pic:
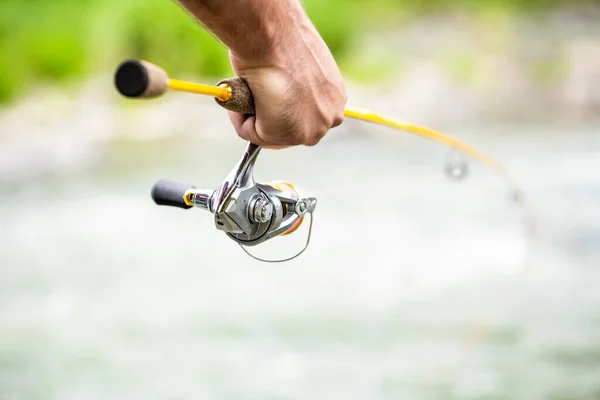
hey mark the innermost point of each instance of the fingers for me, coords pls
(245, 127)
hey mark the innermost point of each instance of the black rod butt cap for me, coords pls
(131, 78)
(170, 193)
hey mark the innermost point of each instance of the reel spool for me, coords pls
(290, 188)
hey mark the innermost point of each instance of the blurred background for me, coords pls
(436, 292)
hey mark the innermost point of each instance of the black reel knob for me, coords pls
(170, 193)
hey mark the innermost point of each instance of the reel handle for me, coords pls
(143, 80)
(170, 193)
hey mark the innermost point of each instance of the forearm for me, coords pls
(252, 29)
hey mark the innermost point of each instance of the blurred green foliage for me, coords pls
(69, 39)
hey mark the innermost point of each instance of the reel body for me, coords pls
(249, 213)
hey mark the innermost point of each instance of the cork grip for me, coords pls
(241, 100)
(141, 80)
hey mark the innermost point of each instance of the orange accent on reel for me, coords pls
(289, 188)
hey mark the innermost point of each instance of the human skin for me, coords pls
(298, 90)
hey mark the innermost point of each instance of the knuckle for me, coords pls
(315, 135)
(312, 143)
(338, 118)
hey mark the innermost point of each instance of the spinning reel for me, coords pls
(250, 213)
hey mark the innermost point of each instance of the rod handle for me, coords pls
(143, 80)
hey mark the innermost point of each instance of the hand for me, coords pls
(298, 90)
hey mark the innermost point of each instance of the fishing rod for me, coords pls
(252, 213)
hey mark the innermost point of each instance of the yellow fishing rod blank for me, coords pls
(221, 92)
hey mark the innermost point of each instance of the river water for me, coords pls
(414, 286)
